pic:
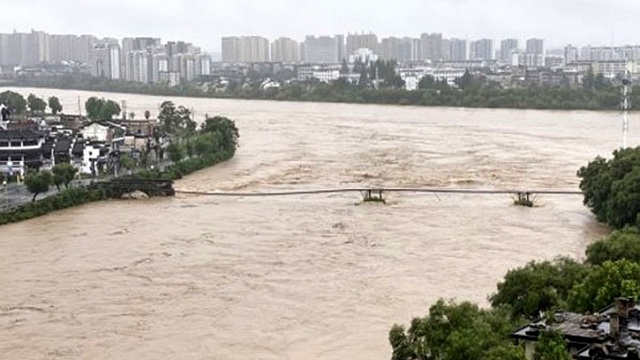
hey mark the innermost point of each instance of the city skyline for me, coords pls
(588, 21)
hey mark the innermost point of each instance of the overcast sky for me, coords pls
(204, 22)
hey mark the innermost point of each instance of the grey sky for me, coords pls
(203, 22)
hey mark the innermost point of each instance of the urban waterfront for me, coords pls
(307, 276)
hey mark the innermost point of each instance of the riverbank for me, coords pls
(436, 95)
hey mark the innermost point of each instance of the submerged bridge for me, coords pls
(118, 187)
(524, 197)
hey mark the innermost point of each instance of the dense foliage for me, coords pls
(538, 286)
(612, 187)
(101, 109)
(38, 182)
(54, 105)
(552, 346)
(63, 174)
(13, 101)
(65, 199)
(620, 245)
(36, 104)
(456, 332)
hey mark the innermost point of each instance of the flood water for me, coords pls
(302, 277)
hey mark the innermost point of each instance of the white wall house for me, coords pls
(96, 132)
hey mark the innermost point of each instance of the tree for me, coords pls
(147, 114)
(109, 109)
(589, 80)
(36, 104)
(176, 152)
(14, 102)
(604, 284)
(427, 82)
(126, 162)
(101, 109)
(611, 188)
(226, 128)
(456, 331)
(38, 182)
(538, 286)
(54, 105)
(552, 346)
(66, 172)
(93, 106)
(620, 245)
(132, 115)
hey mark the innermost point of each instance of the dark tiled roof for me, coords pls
(78, 147)
(62, 145)
(20, 134)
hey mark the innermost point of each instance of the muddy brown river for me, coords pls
(302, 277)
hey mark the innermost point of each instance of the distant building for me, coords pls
(362, 41)
(245, 49)
(570, 54)
(322, 50)
(285, 50)
(508, 47)
(482, 50)
(432, 47)
(402, 50)
(458, 49)
(104, 61)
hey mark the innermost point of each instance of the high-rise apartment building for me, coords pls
(104, 60)
(458, 49)
(361, 41)
(137, 66)
(482, 50)
(432, 47)
(570, 54)
(26, 49)
(203, 65)
(535, 46)
(255, 49)
(245, 49)
(508, 47)
(402, 50)
(231, 49)
(285, 50)
(321, 50)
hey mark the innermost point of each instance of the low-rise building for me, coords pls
(20, 151)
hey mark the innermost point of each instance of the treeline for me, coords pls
(611, 269)
(470, 91)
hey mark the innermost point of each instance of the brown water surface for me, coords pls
(303, 277)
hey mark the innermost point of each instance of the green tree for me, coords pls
(126, 162)
(147, 114)
(589, 80)
(38, 182)
(226, 128)
(455, 332)
(54, 105)
(13, 101)
(552, 346)
(612, 187)
(36, 104)
(109, 109)
(63, 174)
(604, 284)
(619, 245)
(176, 152)
(101, 109)
(93, 106)
(538, 286)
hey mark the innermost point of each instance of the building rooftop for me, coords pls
(20, 134)
(613, 333)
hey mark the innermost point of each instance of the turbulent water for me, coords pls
(303, 277)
